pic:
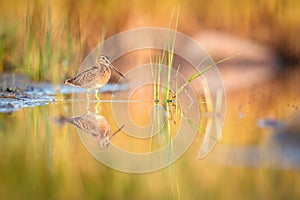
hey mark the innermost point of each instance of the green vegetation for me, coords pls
(48, 40)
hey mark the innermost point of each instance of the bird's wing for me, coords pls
(84, 77)
(86, 125)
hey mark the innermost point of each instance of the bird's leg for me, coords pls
(87, 96)
(88, 100)
(98, 101)
(96, 95)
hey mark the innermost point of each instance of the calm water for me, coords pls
(43, 158)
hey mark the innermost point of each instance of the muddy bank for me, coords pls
(17, 91)
(10, 102)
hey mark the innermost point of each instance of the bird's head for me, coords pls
(104, 142)
(104, 60)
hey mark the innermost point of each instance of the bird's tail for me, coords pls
(69, 81)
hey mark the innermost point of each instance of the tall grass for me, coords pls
(51, 47)
(161, 93)
(49, 39)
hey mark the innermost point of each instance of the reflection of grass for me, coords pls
(161, 97)
(162, 93)
(25, 149)
(167, 96)
(72, 173)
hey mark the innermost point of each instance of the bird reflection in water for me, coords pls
(96, 125)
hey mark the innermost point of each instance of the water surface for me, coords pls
(41, 158)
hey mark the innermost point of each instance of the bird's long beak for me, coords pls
(117, 131)
(113, 67)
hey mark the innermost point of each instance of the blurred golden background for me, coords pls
(48, 41)
(39, 37)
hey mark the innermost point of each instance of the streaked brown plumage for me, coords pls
(93, 124)
(94, 77)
